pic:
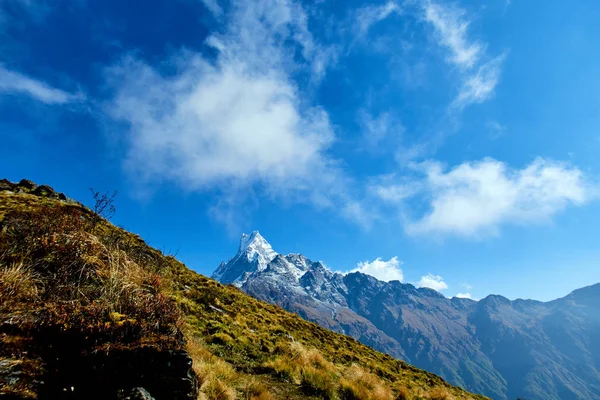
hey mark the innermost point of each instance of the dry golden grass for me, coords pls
(214, 375)
(18, 283)
(357, 384)
(402, 393)
(319, 377)
(439, 393)
(254, 389)
(295, 360)
(219, 380)
(307, 368)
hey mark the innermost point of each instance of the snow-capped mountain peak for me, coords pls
(256, 247)
(254, 254)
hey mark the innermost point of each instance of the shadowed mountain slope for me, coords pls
(501, 348)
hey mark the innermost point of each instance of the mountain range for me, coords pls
(501, 348)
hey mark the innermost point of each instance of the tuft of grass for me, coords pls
(307, 368)
(358, 384)
(439, 393)
(214, 375)
(402, 393)
(18, 284)
(254, 389)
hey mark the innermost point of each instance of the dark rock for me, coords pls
(27, 185)
(44, 191)
(5, 184)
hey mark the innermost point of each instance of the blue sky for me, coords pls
(450, 144)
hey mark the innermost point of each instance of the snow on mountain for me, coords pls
(254, 255)
(256, 249)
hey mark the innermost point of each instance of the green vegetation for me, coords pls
(65, 274)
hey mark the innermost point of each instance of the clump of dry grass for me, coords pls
(439, 393)
(319, 377)
(254, 389)
(358, 384)
(219, 380)
(402, 393)
(307, 368)
(18, 284)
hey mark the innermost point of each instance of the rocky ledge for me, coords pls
(27, 186)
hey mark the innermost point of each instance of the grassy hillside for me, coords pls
(88, 310)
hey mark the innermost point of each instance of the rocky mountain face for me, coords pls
(501, 348)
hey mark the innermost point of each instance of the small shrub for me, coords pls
(221, 338)
(104, 204)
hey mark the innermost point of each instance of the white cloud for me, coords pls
(212, 124)
(13, 82)
(383, 270)
(394, 193)
(474, 198)
(450, 25)
(214, 7)
(434, 282)
(464, 296)
(479, 75)
(480, 86)
(235, 121)
(368, 16)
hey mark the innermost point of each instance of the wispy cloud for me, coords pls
(383, 270)
(476, 198)
(434, 282)
(214, 7)
(12, 82)
(479, 86)
(451, 29)
(367, 16)
(479, 74)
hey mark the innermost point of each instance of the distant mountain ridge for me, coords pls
(501, 348)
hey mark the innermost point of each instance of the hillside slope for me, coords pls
(501, 348)
(89, 311)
